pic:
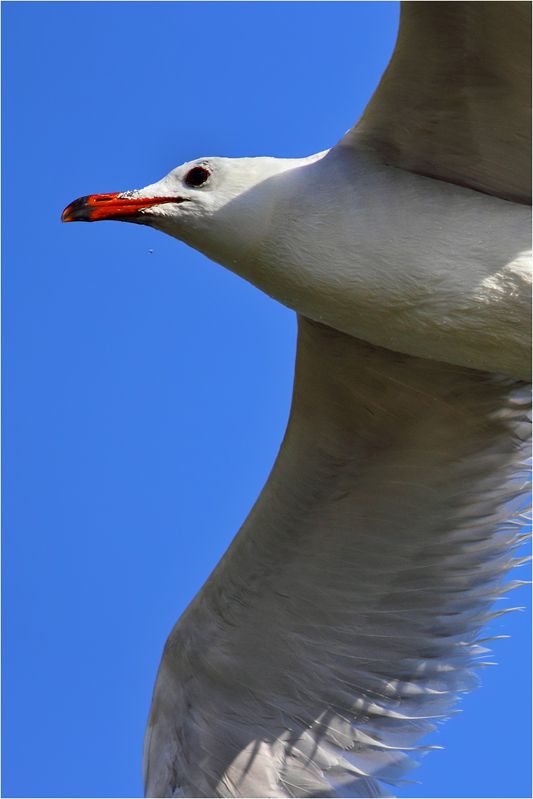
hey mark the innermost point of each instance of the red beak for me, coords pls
(116, 206)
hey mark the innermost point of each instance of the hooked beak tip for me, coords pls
(77, 211)
(93, 207)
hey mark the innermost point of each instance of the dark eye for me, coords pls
(196, 176)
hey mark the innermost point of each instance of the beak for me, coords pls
(120, 207)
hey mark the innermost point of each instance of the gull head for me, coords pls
(209, 203)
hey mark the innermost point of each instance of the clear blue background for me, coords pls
(146, 390)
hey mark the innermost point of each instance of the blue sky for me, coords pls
(146, 390)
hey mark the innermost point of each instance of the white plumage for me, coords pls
(346, 616)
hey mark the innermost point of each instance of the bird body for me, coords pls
(345, 617)
(370, 250)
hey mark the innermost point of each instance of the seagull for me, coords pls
(346, 617)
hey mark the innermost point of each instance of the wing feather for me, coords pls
(344, 620)
(455, 101)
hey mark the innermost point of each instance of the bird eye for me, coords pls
(196, 176)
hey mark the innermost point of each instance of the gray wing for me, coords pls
(345, 617)
(454, 102)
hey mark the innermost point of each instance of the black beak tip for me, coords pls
(77, 211)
